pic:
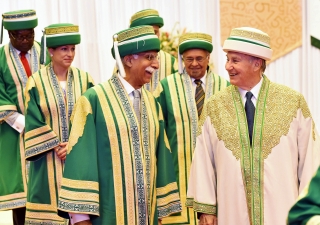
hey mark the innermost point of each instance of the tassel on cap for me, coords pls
(117, 56)
(180, 69)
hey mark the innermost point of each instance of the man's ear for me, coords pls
(127, 60)
(257, 64)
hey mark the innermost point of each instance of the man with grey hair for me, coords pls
(257, 145)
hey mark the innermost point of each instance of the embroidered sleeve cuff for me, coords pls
(201, 207)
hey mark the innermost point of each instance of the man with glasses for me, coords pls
(18, 60)
(118, 160)
(181, 96)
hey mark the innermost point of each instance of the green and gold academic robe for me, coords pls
(306, 211)
(117, 171)
(13, 79)
(168, 64)
(48, 112)
(177, 99)
(253, 185)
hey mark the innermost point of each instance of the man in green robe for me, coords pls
(257, 146)
(51, 94)
(13, 79)
(178, 95)
(167, 62)
(119, 168)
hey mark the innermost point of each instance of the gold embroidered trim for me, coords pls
(251, 35)
(144, 13)
(12, 196)
(40, 206)
(163, 201)
(32, 217)
(79, 121)
(166, 189)
(138, 31)
(79, 196)
(61, 30)
(36, 131)
(204, 208)
(195, 37)
(40, 139)
(89, 185)
(8, 107)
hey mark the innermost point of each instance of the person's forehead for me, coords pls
(194, 51)
(22, 31)
(237, 55)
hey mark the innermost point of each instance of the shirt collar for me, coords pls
(255, 90)
(127, 86)
(203, 79)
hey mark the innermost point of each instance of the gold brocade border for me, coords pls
(43, 218)
(195, 37)
(8, 107)
(174, 197)
(40, 139)
(281, 20)
(137, 31)
(144, 13)
(37, 131)
(79, 196)
(204, 208)
(15, 76)
(110, 94)
(79, 120)
(90, 185)
(61, 30)
(167, 189)
(12, 196)
(250, 34)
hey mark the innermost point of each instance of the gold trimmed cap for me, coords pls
(195, 40)
(249, 41)
(146, 17)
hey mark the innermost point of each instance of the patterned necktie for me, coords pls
(199, 96)
(25, 63)
(136, 103)
(250, 109)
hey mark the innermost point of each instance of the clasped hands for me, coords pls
(61, 150)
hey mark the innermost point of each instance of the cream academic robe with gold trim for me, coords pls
(117, 171)
(13, 169)
(177, 99)
(48, 111)
(253, 185)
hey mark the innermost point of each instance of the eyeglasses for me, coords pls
(199, 59)
(149, 56)
(28, 37)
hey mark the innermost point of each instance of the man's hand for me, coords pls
(61, 150)
(207, 219)
(85, 222)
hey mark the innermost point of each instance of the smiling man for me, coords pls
(18, 60)
(181, 96)
(257, 146)
(118, 145)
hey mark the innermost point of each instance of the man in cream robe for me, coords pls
(123, 165)
(238, 180)
(176, 95)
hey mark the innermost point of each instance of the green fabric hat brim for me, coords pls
(143, 46)
(195, 45)
(55, 41)
(20, 25)
(152, 20)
